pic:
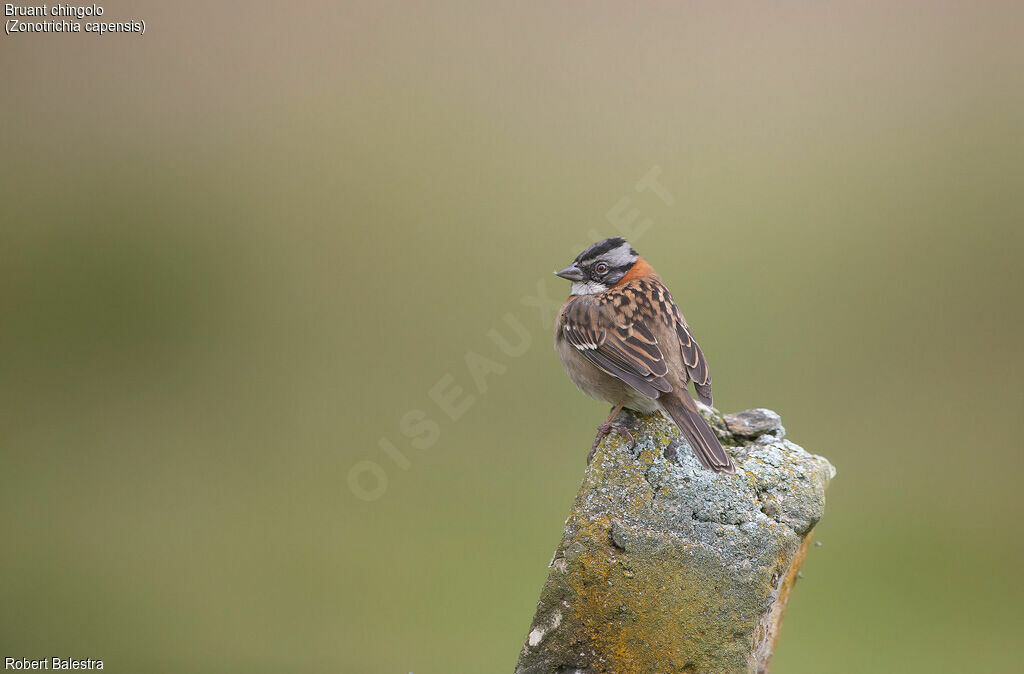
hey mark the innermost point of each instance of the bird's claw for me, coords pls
(605, 429)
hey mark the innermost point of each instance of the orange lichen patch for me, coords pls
(767, 633)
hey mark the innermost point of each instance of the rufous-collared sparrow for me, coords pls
(623, 340)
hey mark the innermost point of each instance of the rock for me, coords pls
(665, 566)
(752, 423)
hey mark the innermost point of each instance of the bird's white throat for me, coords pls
(588, 288)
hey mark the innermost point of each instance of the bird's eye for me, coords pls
(601, 268)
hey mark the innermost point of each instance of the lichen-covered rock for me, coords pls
(665, 566)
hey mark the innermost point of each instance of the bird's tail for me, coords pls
(697, 432)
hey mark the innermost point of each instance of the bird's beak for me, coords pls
(571, 273)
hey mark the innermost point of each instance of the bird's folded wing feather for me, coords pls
(693, 359)
(629, 352)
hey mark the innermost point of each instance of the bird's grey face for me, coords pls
(600, 267)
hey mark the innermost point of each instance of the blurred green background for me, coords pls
(236, 251)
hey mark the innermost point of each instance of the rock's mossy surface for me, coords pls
(665, 566)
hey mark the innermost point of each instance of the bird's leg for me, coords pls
(606, 428)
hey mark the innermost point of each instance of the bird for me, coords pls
(623, 340)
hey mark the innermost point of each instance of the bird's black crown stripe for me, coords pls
(602, 247)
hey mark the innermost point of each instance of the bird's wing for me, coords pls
(696, 364)
(693, 358)
(628, 351)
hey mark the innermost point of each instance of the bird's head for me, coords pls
(600, 266)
